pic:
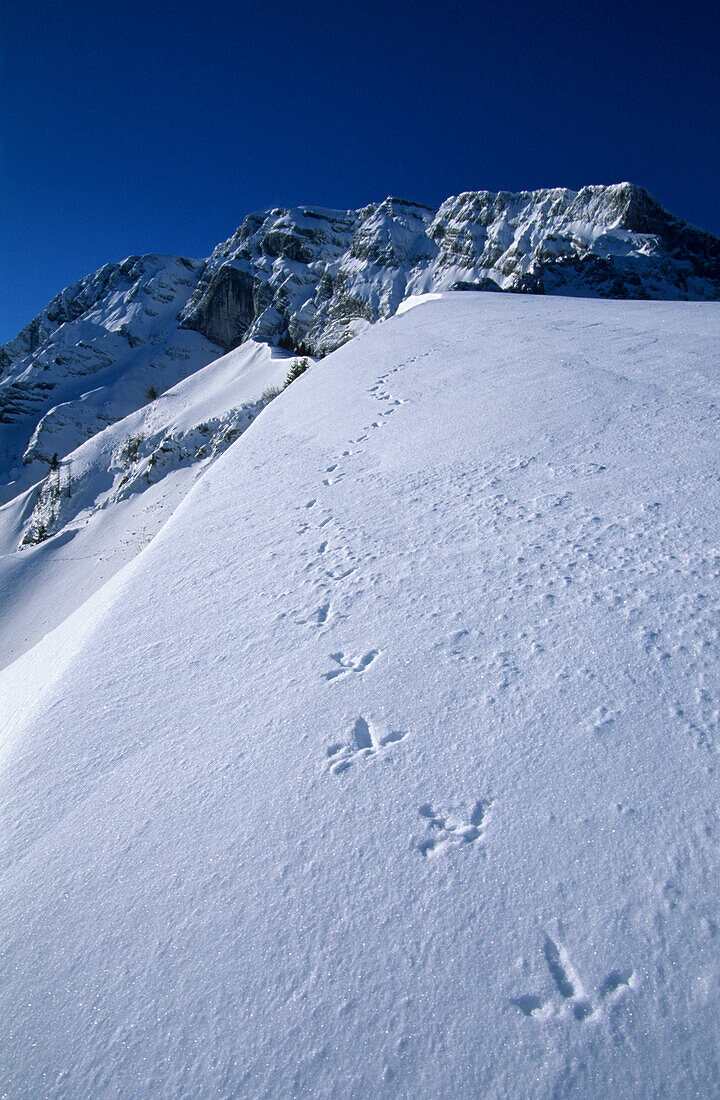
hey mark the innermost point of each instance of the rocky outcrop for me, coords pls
(227, 305)
(308, 279)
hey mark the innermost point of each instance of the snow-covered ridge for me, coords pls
(105, 500)
(101, 349)
(305, 280)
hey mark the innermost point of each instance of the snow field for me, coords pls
(389, 766)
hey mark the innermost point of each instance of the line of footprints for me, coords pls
(333, 565)
(365, 740)
(445, 831)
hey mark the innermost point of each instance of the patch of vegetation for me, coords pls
(130, 450)
(35, 534)
(298, 367)
(269, 395)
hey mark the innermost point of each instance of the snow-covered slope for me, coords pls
(389, 767)
(97, 352)
(112, 494)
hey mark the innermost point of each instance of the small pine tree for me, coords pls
(131, 448)
(269, 395)
(299, 366)
(54, 462)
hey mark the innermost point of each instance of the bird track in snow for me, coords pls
(348, 665)
(573, 999)
(366, 740)
(379, 394)
(446, 830)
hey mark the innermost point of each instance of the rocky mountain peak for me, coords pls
(307, 279)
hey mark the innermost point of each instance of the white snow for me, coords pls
(96, 369)
(416, 300)
(389, 766)
(117, 506)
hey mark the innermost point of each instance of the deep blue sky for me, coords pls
(148, 127)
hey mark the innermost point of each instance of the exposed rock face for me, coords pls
(308, 279)
(305, 277)
(228, 304)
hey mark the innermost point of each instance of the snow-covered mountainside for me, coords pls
(308, 279)
(388, 764)
(100, 350)
(304, 280)
(112, 494)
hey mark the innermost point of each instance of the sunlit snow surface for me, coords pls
(388, 768)
(114, 506)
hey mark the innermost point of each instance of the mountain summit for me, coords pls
(307, 279)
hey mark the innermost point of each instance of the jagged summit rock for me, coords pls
(307, 279)
(304, 276)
